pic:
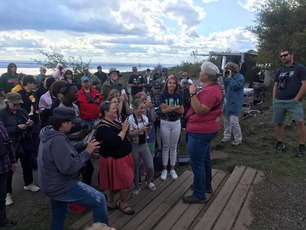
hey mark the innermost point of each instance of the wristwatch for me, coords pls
(192, 94)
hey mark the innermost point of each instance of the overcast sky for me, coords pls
(148, 31)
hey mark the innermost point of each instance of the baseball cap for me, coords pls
(184, 81)
(85, 79)
(14, 98)
(155, 84)
(63, 112)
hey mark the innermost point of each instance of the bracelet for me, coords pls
(192, 94)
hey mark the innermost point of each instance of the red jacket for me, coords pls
(89, 110)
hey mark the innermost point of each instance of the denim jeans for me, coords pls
(82, 194)
(199, 150)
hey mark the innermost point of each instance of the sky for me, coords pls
(130, 31)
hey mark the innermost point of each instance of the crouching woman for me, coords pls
(202, 127)
(59, 163)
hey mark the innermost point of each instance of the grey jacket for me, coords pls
(59, 162)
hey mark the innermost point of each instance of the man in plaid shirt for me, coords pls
(7, 162)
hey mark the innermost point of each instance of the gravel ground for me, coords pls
(279, 205)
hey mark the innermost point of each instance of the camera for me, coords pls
(142, 138)
(283, 80)
(227, 72)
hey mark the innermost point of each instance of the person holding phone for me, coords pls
(233, 83)
(88, 101)
(139, 130)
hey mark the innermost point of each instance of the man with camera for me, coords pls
(233, 84)
(289, 87)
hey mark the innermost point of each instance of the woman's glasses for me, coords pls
(106, 104)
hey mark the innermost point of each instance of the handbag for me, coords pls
(5, 147)
(19, 151)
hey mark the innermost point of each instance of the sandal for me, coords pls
(109, 208)
(127, 210)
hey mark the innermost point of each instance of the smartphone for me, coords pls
(91, 135)
(123, 91)
(148, 98)
(150, 124)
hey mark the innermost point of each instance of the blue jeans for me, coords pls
(199, 150)
(82, 194)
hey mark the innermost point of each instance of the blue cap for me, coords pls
(85, 79)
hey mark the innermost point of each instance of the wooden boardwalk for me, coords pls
(163, 208)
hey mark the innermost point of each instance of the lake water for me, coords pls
(30, 67)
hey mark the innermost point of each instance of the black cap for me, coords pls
(155, 84)
(63, 112)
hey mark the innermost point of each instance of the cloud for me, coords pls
(252, 5)
(119, 30)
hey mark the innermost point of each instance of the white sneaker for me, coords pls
(31, 187)
(8, 200)
(163, 175)
(225, 140)
(173, 174)
(136, 192)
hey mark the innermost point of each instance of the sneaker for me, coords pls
(208, 190)
(300, 153)
(225, 140)
(192, 200)
(8, 199)
(173, 174)
(136, 192)
(163, 175)
(151, 186)
(280, 147)
(236, 143)
(31, 187)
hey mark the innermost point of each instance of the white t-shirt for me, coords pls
(140, 123)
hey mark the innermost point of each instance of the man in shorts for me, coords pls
(289, 87)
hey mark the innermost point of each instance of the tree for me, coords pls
(76, 64)
(280, 24)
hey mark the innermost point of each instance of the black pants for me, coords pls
(3, 179)
(26, 164)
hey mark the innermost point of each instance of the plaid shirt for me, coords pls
(155, 100)
(7, 160)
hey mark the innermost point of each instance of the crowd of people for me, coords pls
(61, 127)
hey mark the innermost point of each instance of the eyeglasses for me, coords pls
(284, 55)
(16, 104)
(68, 73)
(44, 70)
(105, 104)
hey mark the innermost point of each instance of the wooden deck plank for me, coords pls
(231, 210)
(211, 215)
(158, 207)
(245, 218)
(194, 211)
(138, 203)
(174, 214)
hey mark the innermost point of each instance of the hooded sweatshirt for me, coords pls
(59, 162)
(8, 80)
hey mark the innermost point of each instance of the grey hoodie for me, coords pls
(59, 162)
